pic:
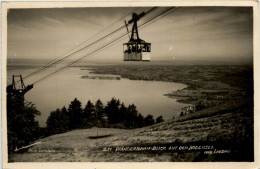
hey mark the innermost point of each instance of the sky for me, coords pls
(213, 34)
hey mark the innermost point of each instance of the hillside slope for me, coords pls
(220, 137)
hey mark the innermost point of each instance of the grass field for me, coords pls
(226, 132)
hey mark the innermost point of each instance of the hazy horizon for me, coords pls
(15, 61)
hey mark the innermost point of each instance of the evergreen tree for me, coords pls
(22, 128)
(87, 117)
(159, 119)
(112, 111)
(99, 109)
(98, 113)
(148, 120)
(66, 120)
(58, 121)
(140, 120)
(131, 116)
(75, 114)
(122, 113)
(53, 122)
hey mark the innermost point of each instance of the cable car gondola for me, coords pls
(136, 49)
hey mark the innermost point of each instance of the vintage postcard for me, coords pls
(130, 84)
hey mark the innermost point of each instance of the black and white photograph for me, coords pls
(129, 83)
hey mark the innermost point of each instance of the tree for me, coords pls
(58, 121)
(75, 114)
(99, 109)
(122, 113)
(115, 114)
(66, 119)
(98, 113)
(131, 116)
(148, 120)
(140, 120)
(112, 110)
(159, 119)
(53, 124)
(22, 128)
(87, 114)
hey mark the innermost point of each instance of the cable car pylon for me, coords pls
(136, 49)
(17, 91)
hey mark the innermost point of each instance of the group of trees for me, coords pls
(22, 128)
(114, 114)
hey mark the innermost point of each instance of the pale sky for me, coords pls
(187, 33)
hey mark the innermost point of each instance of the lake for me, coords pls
(59, 90)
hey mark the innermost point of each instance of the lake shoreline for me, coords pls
(208, 86)
(118, 76)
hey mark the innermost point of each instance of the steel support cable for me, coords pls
(56, 62)
(64, 54)
(60, 60)
(124, 35)
(145, 24)
(154, 15)
(104, 29)
(150, 22)
(164, 14)
(98, 50)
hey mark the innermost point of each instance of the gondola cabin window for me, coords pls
(137, 51)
